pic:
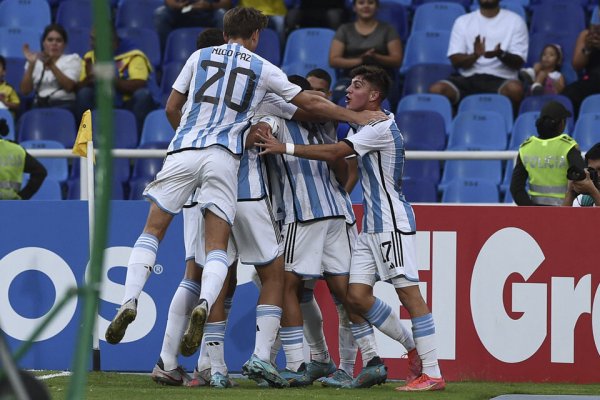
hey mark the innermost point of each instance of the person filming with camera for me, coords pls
(545, 159)
(584, 184)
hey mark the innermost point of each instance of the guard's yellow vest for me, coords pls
(12, 163)
(546, 163)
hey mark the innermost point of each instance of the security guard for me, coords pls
(544, 160)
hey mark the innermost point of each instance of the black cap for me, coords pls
(554, 110)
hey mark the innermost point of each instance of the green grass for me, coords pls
(115, 386)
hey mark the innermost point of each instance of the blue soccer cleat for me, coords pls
(374, 373)
(259, 370)
(336, 380)
(298, 378)
(220, 381)
(316, 369)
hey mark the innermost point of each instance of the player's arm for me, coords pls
(173, 107)
(324, 152)
(352, 172)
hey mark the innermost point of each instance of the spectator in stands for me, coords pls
(50, 74)
(135, 85)
(544, 160)
(8, 96)
(188, 13)
(586, 192)
(14, 161)
(274, 9)
(545, 76)
(488, 47)
(586, 58)
(320, 80)
(320, 13)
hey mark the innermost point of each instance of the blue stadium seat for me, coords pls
(7, 115)
(508, 197)
(396, 15)
(556, 16)
(75, 14)
(306, 49)
(145, 40)
(144, 170)
(136, 13)
(490, 170)
(269, 46)
(170, 72)
(587, 130)
(14, 71)
(428, 170)
(464, 3)
(523, 128)
(74, 190)
(428, 102)
(426, 47)
(48, 124)
(34, 14)
(124, 131)
(535, 103)
(50, 190)
(470, 191)
(477, 130)
(121, 171)
(156, 128)
(419, 191)
(590, 104)
(57, 168)
(137, 186)
(357, 194)
(12, 40)
(505, 184)
(436, 16)
(420, 77)
(342, 130)
(595, 18)
(489, 102)
(422, 129)
(181, 43)
(79, 40)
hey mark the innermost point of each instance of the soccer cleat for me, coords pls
(193, 334)
(298, 378)
(173, 377)
(259, 370)
(423, 383)
(220, 381)
(126, 315)
(200, 378)
(316, 369)
(374, 373)
(415, 366)
(336, 380)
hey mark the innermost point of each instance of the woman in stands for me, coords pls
(50, 74)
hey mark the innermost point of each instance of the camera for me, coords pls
(577, 174)
(4, 130)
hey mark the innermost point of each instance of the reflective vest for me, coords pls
(546, 163)
(12, 163)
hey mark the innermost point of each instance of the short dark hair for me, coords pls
(210, 37)
(354, 2)
(3, 62)
(242, 22)
(593, 153)
(320, 73)
(55, 28)
(300, 81)
(376, 76)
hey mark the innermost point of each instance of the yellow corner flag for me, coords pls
(84, 135)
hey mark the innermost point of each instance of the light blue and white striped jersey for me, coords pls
(380, 147)
(307, 192)
(224, 85)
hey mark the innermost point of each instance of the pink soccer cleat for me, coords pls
(415, 367)
(423, 383)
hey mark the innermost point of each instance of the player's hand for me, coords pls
(269, 144)
(366, 117)
(262, 128)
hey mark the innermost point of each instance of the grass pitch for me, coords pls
(116, 386)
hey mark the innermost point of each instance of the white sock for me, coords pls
(184, 300)
(214, 335)
(275, 348)
(203, 358)
(140, 264)
(292, 340)
(365, 338)
(313, 327)
(424, 333)
(388, 322)
(267, 325)
(347, 344)
(213, 276)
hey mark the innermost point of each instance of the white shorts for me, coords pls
(317, 248)
(385, 256)
(191, 229)
(352, 235)
(213, 168)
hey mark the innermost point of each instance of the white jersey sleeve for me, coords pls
(274, 105)
(184, 79)
(372, 137)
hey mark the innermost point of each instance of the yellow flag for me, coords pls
(84, 135)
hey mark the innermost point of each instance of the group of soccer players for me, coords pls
(254, 152)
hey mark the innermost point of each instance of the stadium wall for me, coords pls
(515, 291)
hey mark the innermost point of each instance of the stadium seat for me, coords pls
(307, 49)
(170, 72)
(505, 184)
(428, 102)
(34, 14)
(436, 16)
(566, 40)
(464, 3)
(181, 43)
(137, 186)
(556, 16)
(590, 104)
(419, 191)
(523, 128)
(121, 171)
(420, 77)
(156, 128)
(535, 103)
(50, 190)
(426, 47)
(124, 131)
(470, 191)
(6, 115)
(422, 129)
(477, 130)
(269, 46)
(74, 190)
(136, 13)
(12, 41)
(595, 18)
(145, 40)
(357, 194)
(144, 170)
(75, 14)
(57, 168)
(396, 15)
(14, 71)
(508, 197)
(79, 40)
(342, 130)
(428, 170)
(48, 124)
(587, 130)
(490, 170)
(489, 102)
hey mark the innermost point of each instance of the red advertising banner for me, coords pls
(514, 291)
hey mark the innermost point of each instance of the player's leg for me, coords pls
(320, 360)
